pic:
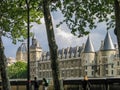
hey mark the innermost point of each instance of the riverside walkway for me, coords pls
(72, 84)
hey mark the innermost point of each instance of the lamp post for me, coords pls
(28, 43)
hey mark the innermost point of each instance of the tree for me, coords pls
(52, 44)
(17, 70)
(3, 69)
(13, 19)
(117, 21)
(79, 14)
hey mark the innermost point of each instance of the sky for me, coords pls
(63, 36)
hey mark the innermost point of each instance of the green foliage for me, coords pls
(79, 14)
(13, 17)
(17, 70)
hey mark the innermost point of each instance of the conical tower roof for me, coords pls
(21, 53)
(22, 48)
(89, 46)
(108, 44)
(35, 43)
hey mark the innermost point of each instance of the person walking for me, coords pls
(86, 83)
(45, 84)
(36, 84)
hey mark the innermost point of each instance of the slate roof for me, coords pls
(88, 46)
(108, 44)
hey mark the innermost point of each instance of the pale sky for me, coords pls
(63, 37)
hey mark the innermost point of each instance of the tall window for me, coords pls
(118, 63)
(85, 67)
(112, 72)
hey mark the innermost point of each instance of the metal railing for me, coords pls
(74, 84)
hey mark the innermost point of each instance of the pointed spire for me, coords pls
(89, 46)
(35, 43)
(108, 44)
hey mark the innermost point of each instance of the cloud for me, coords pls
(40, 33)
(57, 15)
(63, 36)
(66, 39)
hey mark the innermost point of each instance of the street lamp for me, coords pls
(28, 43)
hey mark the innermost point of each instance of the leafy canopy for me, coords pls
(79, 14)
(17, 70)
(13, 17)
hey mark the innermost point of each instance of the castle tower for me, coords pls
(108, 44)
(22, 52)
(35, 50)
(107, 57)
(89, 59)
(35, 56)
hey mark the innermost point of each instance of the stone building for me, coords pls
(75, 62)
(21, 53)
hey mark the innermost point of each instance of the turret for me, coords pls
(106, 56)
(89, 58)
(108, 46)
(22, 52)
(89, 46)
(35, 56)
(35, 50)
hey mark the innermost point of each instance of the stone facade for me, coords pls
(76, 62)
(21, 53)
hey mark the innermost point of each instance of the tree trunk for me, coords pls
(117, 22)
(3, 68)
(52, 45)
